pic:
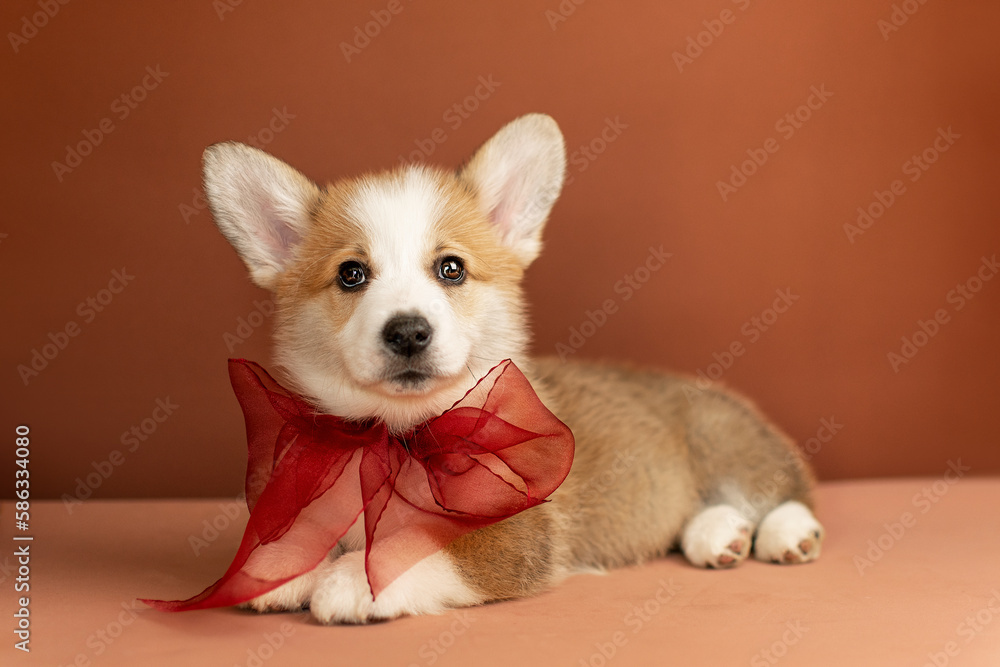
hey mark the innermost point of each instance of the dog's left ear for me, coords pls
(518, 174)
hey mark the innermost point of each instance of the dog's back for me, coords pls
(652, 449)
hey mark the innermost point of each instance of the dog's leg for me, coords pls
(788, 534)
(434, 584)
(296, 594)
(292, 595)
(717, 536)
(509, 559)
(337, 591)
(520, 556)
(742, 459)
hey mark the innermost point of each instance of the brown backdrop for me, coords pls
(659, 102)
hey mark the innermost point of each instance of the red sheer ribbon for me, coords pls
(496, 452)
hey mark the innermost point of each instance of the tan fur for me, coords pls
(673, 457)
(651, 450)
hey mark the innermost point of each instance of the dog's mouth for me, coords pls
(416, 381)
(409, 380)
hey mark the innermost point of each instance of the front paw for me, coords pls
(342, 594)
(290, 596)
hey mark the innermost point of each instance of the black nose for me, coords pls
(407, 335)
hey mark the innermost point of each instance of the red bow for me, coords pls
(496, 452)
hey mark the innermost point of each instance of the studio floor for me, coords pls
(909, 575)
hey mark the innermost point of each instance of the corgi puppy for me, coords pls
(396, 291)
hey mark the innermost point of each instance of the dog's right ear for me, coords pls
(260, 204)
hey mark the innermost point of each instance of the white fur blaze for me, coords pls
(429, 587)
(718, 536)
(398, 222)
(789, 534)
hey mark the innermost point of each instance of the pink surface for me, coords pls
(909, 573)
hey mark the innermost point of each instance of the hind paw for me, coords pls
(717, 537)
(789, 534)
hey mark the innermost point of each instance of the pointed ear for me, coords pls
(518, 175)
(260, 204)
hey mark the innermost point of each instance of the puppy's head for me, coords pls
(395, 291)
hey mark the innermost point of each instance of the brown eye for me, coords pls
(451, 270)
(351, 274)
